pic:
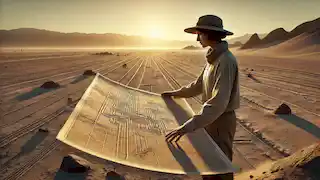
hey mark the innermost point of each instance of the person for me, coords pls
(219, 85)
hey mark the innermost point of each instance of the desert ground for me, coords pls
(266, 82)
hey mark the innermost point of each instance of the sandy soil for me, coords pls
(261, 136)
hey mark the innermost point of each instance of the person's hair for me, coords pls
(213, 35)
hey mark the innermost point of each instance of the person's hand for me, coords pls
(176, 134)
(167, 94)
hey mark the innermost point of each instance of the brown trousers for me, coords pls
(222, 132)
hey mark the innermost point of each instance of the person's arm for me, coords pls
(217, 104)
(190, 90)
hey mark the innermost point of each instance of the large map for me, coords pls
(128, 126)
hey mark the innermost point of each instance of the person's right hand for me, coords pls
(167, 94)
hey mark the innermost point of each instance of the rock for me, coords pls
(247, 124)
(256, 131)
(50, 85)
(69, 101)
(251, 176)
(89, 73)
(275, 170)
(124, 65)
(111, 175)
(249, 75)
(103, 53)
(45, 130)
(283, 109)
(74, 164)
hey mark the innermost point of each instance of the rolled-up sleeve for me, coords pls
(217, 104)
(192, 89)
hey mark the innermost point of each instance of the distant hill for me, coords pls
(304, 43)
(252, 42)
(29, 37)
(243, 39)
(191, 48)
(235, 44)
(279, 36)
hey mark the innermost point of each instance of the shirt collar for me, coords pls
(214, 53)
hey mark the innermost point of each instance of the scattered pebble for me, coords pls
(251, 176)
(275, 170)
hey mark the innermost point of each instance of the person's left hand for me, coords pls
(176, 134)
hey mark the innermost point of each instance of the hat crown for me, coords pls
(210, 20)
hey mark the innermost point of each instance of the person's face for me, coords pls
(203, 39)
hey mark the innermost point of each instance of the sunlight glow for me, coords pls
(155, 32)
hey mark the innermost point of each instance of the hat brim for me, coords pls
(195, 29)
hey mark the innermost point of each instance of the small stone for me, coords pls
(247, 124)
(256, 131)
(111, 175)
(283, 109)
(74, 164)
(275, 170)
(264, 172)
(50, 85)
(45, 130)
(89, 73)
(69, 101)
(267, 154)
(251, 176)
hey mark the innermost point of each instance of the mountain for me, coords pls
(235, 44)
(243, 39)
(252, 42)
(279, 36)
(191, 48)
(29, 37)
(306, 42)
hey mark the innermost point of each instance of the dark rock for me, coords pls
(50, 85)
(249, 75)
(251, 176)
(111, 175)
(89, 73)
(74, 164)
(43, 130)
(275, 170)
(103, 53)
(264, 172)
(283, 109)
(69, 101)
(124, 65)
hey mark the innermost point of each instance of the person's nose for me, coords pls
(198, 37)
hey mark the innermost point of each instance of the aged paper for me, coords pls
(128, 126)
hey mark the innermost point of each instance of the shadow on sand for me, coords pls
(30, 145)
(33, 93)
(61, 175)
(78, 79)
(197, 141)
(301, 123)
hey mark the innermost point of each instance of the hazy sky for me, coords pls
(158, 18)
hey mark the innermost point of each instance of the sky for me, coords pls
(165, 19)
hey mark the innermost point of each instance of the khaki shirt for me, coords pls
(219, 85)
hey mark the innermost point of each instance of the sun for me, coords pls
(155, 32)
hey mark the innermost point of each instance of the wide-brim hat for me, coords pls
(208, 22)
